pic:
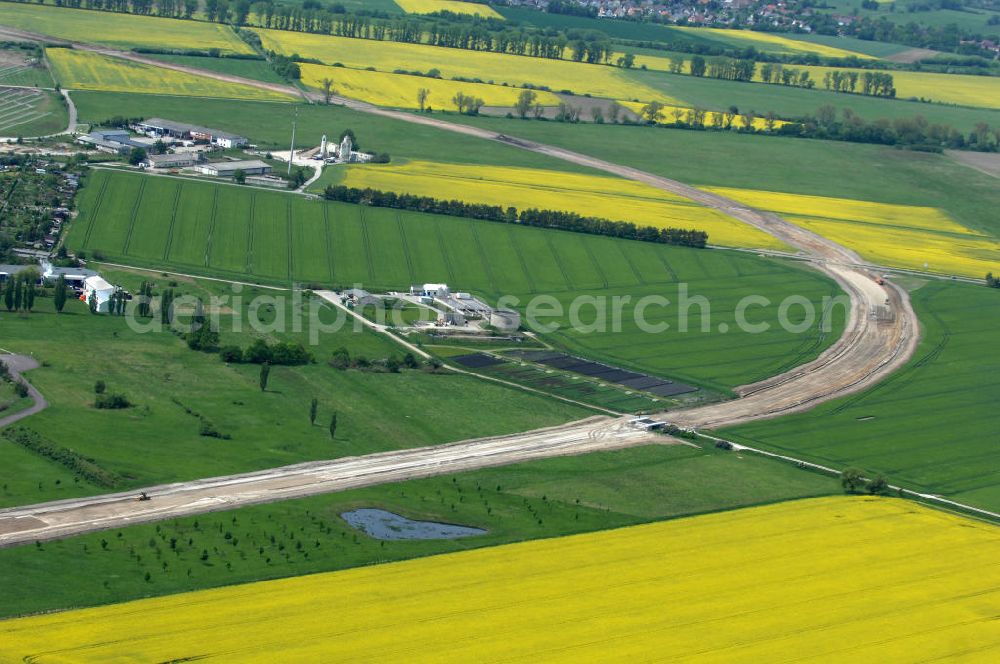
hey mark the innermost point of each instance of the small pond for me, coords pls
(384, 525)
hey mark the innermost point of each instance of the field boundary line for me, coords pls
(211, 227)
(667, 267)
(406, 247)
(288, 235)
(366, 244)
(329, 243)
(487, 266)
(518, 250)
(902, 491)
(593, 261)
(189, 275)
(445, 256)
(635, 271)
(250, 224)
(92, 220)
(133, 216)
(173, 220)
(570, 285)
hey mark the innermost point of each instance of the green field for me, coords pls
(17, 74)
(791, 102)
(932, 425)
(527, 501)
(121, 30)
(170, 221)
(257, 70)
(158, 441)
(835, 169)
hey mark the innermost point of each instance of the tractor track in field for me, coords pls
(867, 352)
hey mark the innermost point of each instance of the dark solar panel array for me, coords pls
(477, 360)
(629, 379)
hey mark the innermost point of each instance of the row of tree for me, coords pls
(543, 218)
(873, 83)
(19, 291)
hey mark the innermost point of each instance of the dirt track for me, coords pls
(866, 352)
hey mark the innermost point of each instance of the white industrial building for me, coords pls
(101, 290)
(178, 160)
(226, 169)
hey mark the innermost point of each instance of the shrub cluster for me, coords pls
(261, 352)
(76, 463)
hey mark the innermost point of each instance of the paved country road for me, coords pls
(868, 351)
(18, 364)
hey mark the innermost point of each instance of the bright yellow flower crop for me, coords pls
(831, 579)
(453, 6)
(593, 195)
(907, 236)
(400, 90)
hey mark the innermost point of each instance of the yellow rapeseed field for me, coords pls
(906, 236)
(829, 579)
(515, 70)
(85, 70)
(669, 115)
(595, 195)
(121, 30)
(769, 42)
(453, 6)
(965, 90)
(400, 90)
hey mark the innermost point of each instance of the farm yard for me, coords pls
(85, 70)
(119, 30)
(221, 230)
(400, 90)
(813, 577)
(591, 195)
(30, 112)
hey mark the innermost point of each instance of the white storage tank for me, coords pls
(506, 320)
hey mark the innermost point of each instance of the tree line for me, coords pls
(569, 221)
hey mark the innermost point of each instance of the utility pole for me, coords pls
(291, 151)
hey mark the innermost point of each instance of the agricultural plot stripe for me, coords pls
(329, 241)
(250, 231)
(484, 257)
(559, 262)
(366, 243)
(406, 247)
(444, 253)
(173, 221)
(135, 214)
(92, 221)
(288, 233)
(597, 266)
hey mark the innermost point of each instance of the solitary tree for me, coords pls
(92, 302)
(333, 425)
(422, 95)
(239, 176)
(136, 156)
(652, 111)
(524, 102)
(878, 485)
(59, 296)
(313, 407)
(100, 387)
(265, 373)
(327, 90)
(852, 480)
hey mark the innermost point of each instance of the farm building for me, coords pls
(226, 169)
(179, 160)
(9, 271)
(74, 276)
(431, 290)
(101, 290)
(267, 181)
(112, 141)
(159, 127)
